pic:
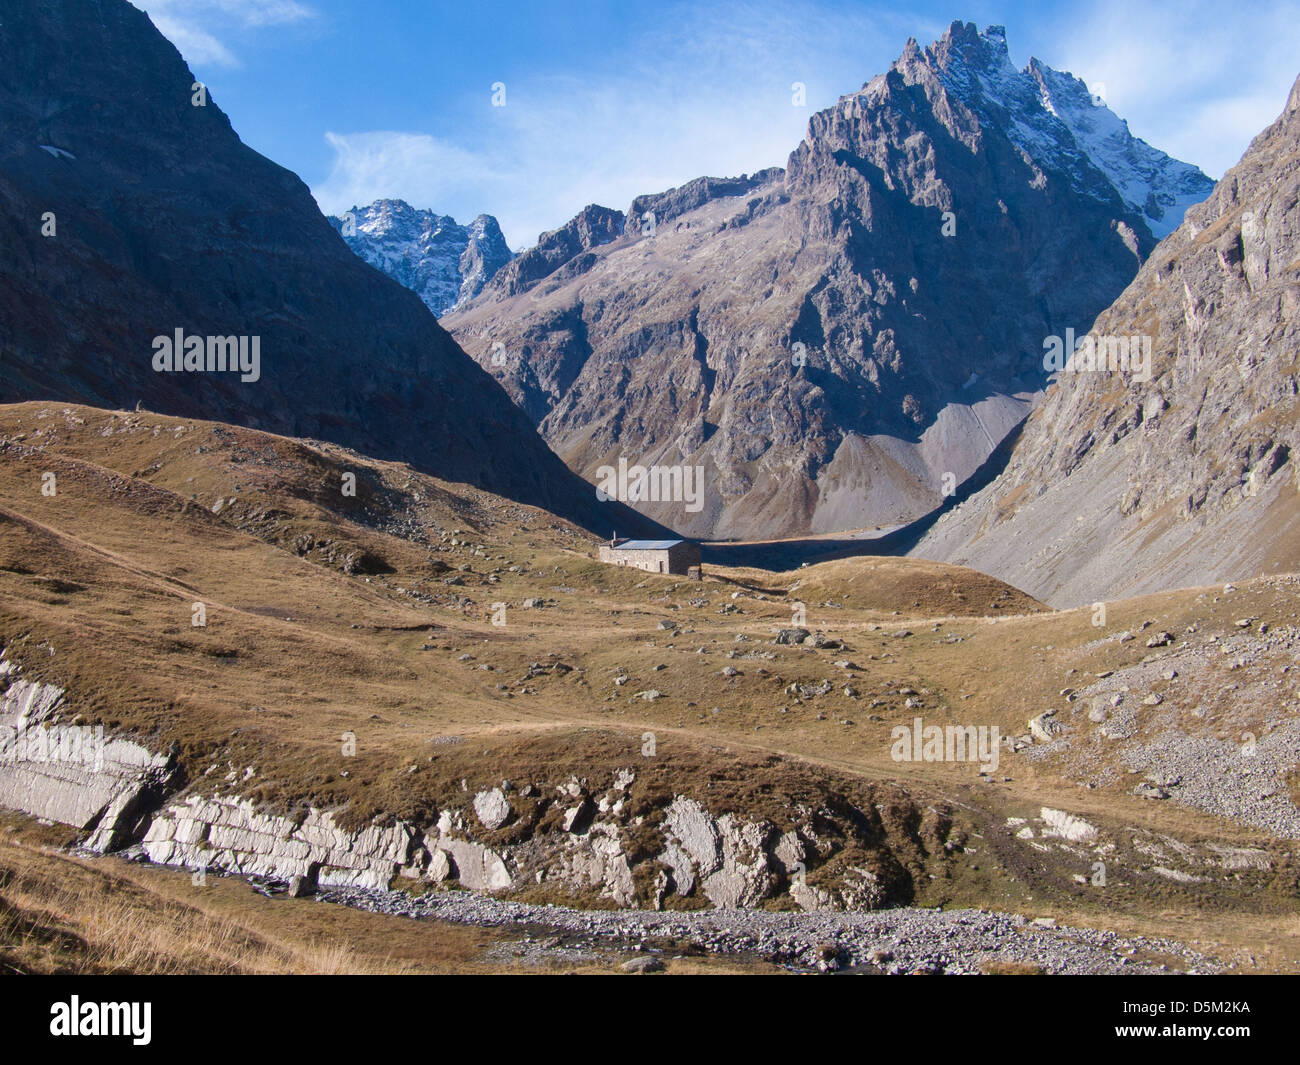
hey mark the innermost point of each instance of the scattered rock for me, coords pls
(492, 808)
(1045, 726)
(300, 887)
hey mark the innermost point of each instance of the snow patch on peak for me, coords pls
(1154, 184)
(1058, 123)
(437, 258)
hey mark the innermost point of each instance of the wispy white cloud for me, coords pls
(410, 166)
(709, 92)
(197, 46)
(193, 25)
(713, 96)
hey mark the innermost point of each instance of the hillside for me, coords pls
(572, 753)
(1120, 484)
(132, 212)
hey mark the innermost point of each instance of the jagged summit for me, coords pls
(1060, 123)
(437, 258)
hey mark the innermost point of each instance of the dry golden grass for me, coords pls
(296, 651)
(67, 915)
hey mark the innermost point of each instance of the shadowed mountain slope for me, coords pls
(130, 209)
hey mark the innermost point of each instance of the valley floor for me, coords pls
(606, 756)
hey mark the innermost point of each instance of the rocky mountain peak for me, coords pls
(831, 343)
(1057, 121)
(440, 260)
(659, 208)
(963, 44)
(589, 228)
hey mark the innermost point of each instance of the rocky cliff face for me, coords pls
(438, 259)
(130, 210)
(1128, 480)
(837, 343)
(53, 767)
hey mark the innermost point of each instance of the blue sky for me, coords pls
(605, 100)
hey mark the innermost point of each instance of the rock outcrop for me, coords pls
(727, 861)
(1132, 479)
(226, 833)
(71, 773)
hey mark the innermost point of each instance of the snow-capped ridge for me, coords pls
(1153, 183)
(435, 256)
(1059, 123)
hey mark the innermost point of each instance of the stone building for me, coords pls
(654, 556)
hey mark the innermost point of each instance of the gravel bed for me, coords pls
(907, 940)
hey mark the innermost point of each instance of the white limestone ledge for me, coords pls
(73, 774)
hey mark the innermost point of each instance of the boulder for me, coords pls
(300, 887)
(1045, 726)
(492, 808)
(476, 867)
